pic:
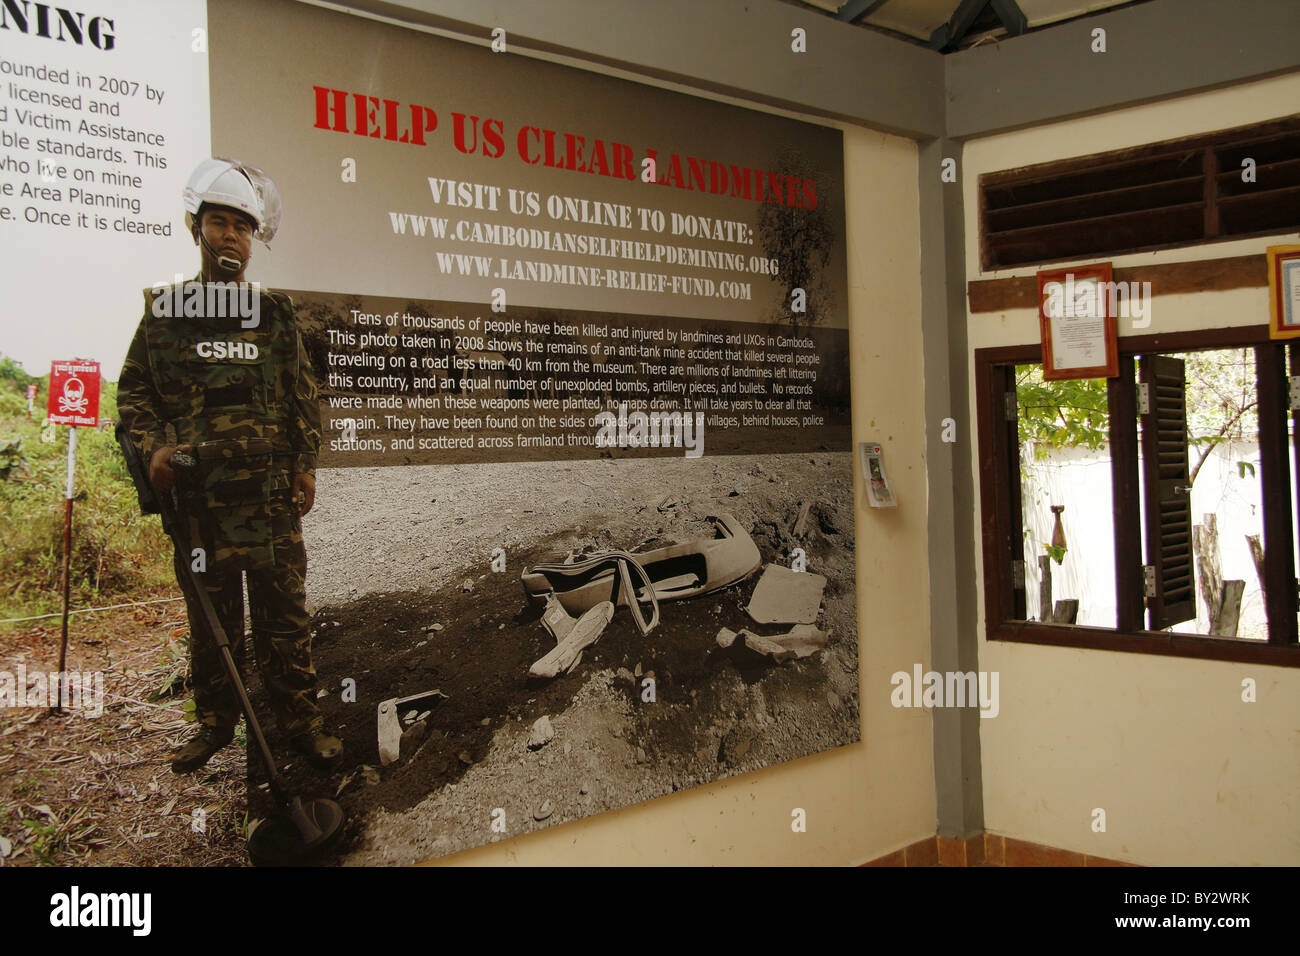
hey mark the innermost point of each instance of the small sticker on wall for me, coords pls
(879, 492)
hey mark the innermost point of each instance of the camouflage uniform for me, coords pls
(254, 421)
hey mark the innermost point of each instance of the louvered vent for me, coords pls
(1165, 195)
(1272, 202)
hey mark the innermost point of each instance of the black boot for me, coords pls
(200, 748)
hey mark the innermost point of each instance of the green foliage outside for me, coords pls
(117, 554)
(1221, 406)
(1069, 414)
(1221, 403)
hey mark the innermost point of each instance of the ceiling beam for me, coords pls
(1012, 17)
(949, 34)
(645, 41)
(854, 10)
(1216, 44)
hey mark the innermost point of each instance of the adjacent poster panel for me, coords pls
(555, 318)
(104, 113)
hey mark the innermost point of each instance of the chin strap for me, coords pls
(229, 263)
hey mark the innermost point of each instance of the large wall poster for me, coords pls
(579, 342)
(482, 272)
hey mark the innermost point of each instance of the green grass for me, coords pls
(117, 553)
(47, 841)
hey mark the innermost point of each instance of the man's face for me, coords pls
(229, 233)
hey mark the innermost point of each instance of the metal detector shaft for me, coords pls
(218, 635)
(151, 502)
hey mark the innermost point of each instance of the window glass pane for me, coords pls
(1222, 455)
(1065, 494)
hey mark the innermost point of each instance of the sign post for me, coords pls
(74, 401)
(31, 398)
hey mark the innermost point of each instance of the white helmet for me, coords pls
(235, 185)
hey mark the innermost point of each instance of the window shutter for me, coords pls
(1167, 490)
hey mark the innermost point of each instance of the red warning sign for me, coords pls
(74, 393)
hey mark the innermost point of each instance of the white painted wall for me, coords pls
(1187, 773)
(1079, 479)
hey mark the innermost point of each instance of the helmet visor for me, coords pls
(268, 195)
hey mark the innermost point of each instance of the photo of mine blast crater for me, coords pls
(650, 630)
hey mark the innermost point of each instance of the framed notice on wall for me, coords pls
(1077, 315)
(1284, 291)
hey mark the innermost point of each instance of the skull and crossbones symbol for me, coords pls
(74, 397)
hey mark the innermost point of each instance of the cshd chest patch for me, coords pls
(224, 350)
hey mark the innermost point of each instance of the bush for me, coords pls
(117, 553)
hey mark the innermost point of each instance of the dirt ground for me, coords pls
(391, 550)
(77, 789)
(392, 554)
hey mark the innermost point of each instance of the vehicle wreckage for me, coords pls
(581, 596)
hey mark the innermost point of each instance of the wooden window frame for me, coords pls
(1000, 504)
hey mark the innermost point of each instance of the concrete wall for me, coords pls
(1187, 773)
(1153, 50)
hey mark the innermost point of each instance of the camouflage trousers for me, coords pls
(281, 642)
